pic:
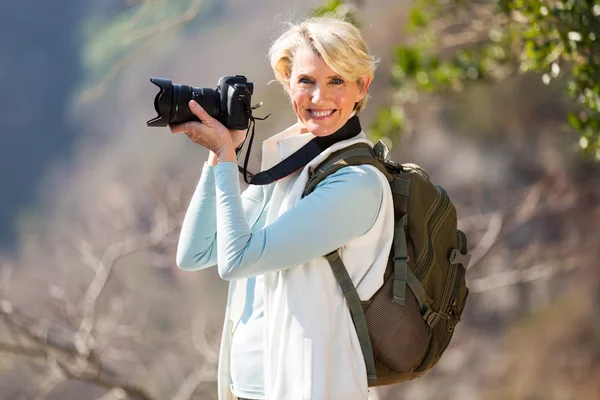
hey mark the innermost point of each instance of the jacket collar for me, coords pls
(280, 146)
(283, 144)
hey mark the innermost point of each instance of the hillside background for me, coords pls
(92, 305)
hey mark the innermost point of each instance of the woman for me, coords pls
(288, 333)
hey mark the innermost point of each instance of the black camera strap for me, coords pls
(300, 158)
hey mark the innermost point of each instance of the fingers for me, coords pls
(201, 113)
(182, 128)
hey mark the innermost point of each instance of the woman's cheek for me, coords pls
(297, 92)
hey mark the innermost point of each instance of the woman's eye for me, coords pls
(304, 81)
(337, 81)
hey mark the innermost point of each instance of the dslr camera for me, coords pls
(229, 103)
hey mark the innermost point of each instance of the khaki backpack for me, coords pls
(407, 325)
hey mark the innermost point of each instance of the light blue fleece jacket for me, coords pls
(341, 208)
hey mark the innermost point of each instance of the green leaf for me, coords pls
(328, 8)
(389, 122)
(558, 40)
(417, 18)
(574, 121)
(409, 59)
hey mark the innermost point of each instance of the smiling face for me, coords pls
(322, 99)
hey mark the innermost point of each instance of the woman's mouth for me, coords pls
(321, 114)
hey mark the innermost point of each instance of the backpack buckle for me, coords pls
(394, 166)
(432, 318)
(381, 151)
(456, 257)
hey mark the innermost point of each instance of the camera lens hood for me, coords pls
(163, 101)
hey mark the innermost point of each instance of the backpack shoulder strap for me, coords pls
(356, 154)
(356, 312)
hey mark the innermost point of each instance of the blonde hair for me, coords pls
(338, 42)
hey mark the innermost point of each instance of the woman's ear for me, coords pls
(363, 85)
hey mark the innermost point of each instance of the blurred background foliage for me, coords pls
(480, 93)
(452, 43)
(116, 39)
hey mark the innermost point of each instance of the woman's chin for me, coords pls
(321, 128)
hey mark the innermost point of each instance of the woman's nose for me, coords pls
(319, 94)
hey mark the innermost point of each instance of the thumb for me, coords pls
(201, 113)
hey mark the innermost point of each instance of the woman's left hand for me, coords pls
(209, 133)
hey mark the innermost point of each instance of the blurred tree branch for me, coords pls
(164, 26)
(150, 34)
(103, 267)
(488, 240)
(190, 384)
(540, 201)
(60, 354)
(509, 278)
(77, 349)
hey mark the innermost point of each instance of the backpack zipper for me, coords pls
(451, 309)
(430, 213)
(432, 223)
(448, 305)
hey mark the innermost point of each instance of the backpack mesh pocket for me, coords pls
(399, 334)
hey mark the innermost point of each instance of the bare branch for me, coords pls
(530, 203)
(48, 382)
(108, 326)
(115, 394)
(167, 25)
(104, 268)
(20, 350)
(199, 338)
(155, 31)
(488, 240)
(509, 278)
(141, 13)
(65, 308)
(105, 382)
(191, 383)
(72, 354)
(77, 367)
(85, 249)
(10, 315)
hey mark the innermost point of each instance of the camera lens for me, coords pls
(209, 99)
(171, 102)
(180, 112)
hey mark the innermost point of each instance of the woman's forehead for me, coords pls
(308, 62)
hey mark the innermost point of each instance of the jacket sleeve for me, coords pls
(342, 207)
(197, 245)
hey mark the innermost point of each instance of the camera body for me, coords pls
(229, 103)
(236, 93)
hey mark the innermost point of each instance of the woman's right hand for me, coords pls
(210, 133)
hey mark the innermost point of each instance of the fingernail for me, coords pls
(194, 104)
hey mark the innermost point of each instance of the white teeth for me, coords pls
(321, 113)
